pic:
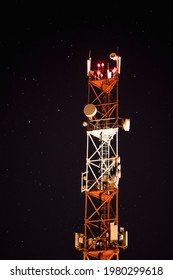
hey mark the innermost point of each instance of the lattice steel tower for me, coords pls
(102, 238)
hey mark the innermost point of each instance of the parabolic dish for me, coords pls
(90, 110)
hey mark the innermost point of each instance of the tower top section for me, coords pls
(102, 70)
(102, 108)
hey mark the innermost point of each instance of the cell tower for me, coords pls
(102, 238)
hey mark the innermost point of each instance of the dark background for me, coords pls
(43, 90)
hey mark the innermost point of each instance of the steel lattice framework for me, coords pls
(102, 237)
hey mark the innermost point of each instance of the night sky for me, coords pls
(43, 90)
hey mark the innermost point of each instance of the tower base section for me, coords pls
(101, 255)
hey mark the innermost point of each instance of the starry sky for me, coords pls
(43, 90)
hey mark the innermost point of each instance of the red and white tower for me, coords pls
(102, 238)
